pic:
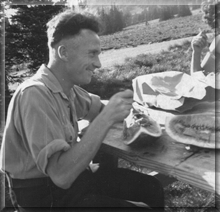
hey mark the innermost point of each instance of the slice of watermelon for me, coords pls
(195, 129)
(139, 124)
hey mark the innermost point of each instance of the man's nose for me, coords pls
(97, 63)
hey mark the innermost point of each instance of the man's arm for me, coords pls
(65, 167)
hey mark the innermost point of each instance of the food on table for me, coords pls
(201, 130)
(137, 124)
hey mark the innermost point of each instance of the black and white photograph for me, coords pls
(110, 105)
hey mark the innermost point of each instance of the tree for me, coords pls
(184, 10)
(105, 21)
(153, 12)
(26, 40)
(116, 18)
(127, 17)
(111, 22)
(174, 9)
(2, 96)
(165, 13)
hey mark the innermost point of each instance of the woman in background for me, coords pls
(211, 62)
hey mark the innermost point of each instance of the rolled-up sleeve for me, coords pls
(38, 123)
(53, 147)
(88, 105)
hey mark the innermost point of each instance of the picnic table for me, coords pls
(196, 166)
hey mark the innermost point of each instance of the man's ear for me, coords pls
(62, 52)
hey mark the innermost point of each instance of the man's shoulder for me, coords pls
(30, 83)
(30, 87)
(36, 81)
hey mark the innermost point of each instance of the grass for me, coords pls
(182, 197)
(155, 32)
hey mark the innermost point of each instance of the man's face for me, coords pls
(82, 57)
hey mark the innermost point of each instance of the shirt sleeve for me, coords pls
(38, 123)
(88, 105)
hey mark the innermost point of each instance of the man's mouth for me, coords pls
(92, 71)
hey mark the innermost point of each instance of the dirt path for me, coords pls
(117, 56)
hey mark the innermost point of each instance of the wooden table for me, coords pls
(197, 166)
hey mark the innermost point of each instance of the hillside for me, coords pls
(155, 32)
(114, 57)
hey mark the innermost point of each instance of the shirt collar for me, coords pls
(49, 79)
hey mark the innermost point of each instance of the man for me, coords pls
(47, 165)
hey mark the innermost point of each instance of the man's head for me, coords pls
(74, 47)
(69, 24)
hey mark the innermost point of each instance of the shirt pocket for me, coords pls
(70, 133)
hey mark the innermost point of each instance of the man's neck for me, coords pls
(55, 69)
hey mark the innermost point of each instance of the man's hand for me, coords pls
(199, 42)
(119, 106)
(65, 166)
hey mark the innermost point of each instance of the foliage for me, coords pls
(184, 10)
(34, 2)
(111, 21)
(127, 18)
(166, 13)
(4, 91)
(26, 40)
(154, 12)
(178, 195)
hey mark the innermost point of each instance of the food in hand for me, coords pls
(138, 123)
(201, 130)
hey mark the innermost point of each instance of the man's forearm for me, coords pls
(65, 167)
